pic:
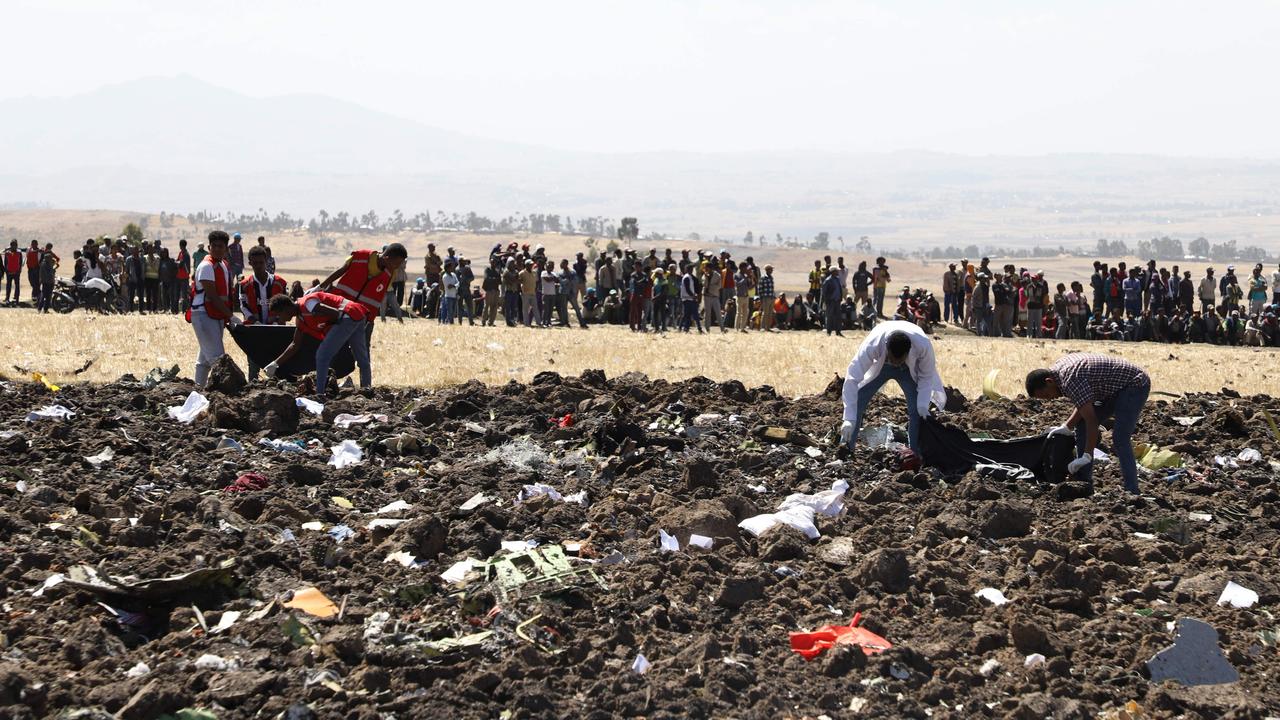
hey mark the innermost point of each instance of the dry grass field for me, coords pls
(422, 353)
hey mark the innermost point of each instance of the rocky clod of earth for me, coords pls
(134, 586)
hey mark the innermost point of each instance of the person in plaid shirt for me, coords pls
(1100, 386)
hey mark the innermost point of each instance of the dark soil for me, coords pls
(909, 552)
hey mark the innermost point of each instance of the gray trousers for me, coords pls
(1035, 320)
(529, 308)
(1004, 321)
(209, 336)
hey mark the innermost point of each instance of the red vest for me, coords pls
(33, 258)
(249, 291)
(357, 284)
(183, 273)
(221, 274)
(317, 326)
(12, 261)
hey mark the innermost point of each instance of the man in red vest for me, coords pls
(12, 274)
(331, 319)
(33, 272)
(210, 309)
(365, 278)
(256, 291)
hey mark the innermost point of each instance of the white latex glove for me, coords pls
(270, 369)
(234, 321)
(846, 432)
(1062, 430)
(1079, 464)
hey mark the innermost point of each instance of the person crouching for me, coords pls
(333, 320)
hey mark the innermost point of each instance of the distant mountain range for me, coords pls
(180, 144)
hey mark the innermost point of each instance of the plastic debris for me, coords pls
(346, 453)
(227, 443)
(1249, 455)
(211, 662)
(50, 412)
(41, 378)
(406, 559)
(518, 546)
(310, 406)
(313, 525)
(225, 622)
(286, 446)
(1188, 421)
(192, 407)
(799, 517)
(992, 595)
(1237, 596)
(248, 482)
(475, 501)
(880, 436)
(342, 502)
(397, 506)
(1153, 458)
(519, 454)
(385, 523)
(812, 644)
(989, 385)
(828, 502)
(701, 541)
(989, 668)
(667, 543)
(565, 421)
(340, 532)
(312, 602)
(52, 581)
(106, 455)
(1194, 658)
(458, 571)
(813, 452)
(346, 420)
(640, 665)
(138, 670)
(529, 492)
(1033, 660)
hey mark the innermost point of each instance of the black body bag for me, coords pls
(951, 450)
(264, 343)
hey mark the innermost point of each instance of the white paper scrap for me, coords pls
(1237, 596)
(992, 595)
(194, 405)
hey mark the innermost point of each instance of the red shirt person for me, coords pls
(332, 320)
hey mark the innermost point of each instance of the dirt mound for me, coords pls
(134, 585)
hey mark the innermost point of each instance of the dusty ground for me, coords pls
(910, 550)
(423, 353)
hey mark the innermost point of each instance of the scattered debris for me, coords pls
(105, 456)
(247, 483)
(345, 454)
(310, 406)
(190, 409)
(812, 644)
(312, 602)
(50, 412)
(992, 595)
(346, 420)
(1237, 596)
(640, 665)
(1194, 658)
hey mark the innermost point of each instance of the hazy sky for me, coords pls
(1024, 77)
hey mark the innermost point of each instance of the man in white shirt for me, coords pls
(898, 351)
(1275, 288)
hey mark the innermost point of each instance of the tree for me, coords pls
(821, 241)
(629, 231)
(864, 245)
(1199, 247)
(133, 233)
(748, 239)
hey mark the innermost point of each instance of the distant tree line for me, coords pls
(397, 221)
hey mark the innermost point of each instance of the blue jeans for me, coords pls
(1125, 406)
(878, 300)
(447, 306)
(901, 374)
(344, 332)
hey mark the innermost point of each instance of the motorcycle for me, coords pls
(95, 294)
